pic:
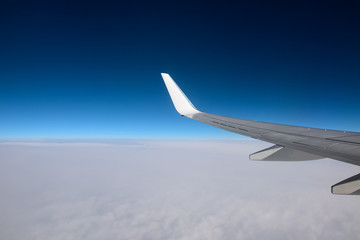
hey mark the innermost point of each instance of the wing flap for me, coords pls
(279, 153)
(349, 186)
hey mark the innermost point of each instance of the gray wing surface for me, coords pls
(292, 143)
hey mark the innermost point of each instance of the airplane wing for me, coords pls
(291, 143)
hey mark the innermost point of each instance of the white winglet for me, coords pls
(181, 102)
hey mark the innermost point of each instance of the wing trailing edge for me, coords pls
(279, 153)
(349, 186)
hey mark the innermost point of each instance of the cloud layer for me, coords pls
(151, 189)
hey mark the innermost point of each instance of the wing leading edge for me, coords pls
(292, 143)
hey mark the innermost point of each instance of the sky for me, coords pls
(91, 69)
(161, 189)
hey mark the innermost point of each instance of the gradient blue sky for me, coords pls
(92, 69)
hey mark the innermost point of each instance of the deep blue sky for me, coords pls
(92, 69)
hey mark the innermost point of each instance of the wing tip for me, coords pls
(164, 74)
(179, 99)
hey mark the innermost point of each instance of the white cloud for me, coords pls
(168, 190)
